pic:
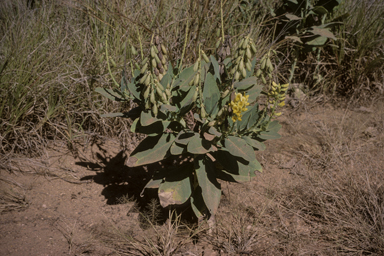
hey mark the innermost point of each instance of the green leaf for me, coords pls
(317, 41)
(210, 188)
(212, 130)
(198, 145)
(271, 132)
(254, 92)
(151, 150)
(114, 115)
(177, 149)
(187, 103)
(236, 166)
(249, 117)
(320, 10)
(211, 94)
(292, 17)
(226, 176)
(182, 81)
(153, 129)
(133, 88)
(197, 203)
(110, 94)
(146, 118)
(254, 165)
(254, 143)
(322, 32)
(245, 84)
(238, 147)
(184, 137)
(175, 192)
(166, 108)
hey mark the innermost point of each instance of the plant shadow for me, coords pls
(123, 184)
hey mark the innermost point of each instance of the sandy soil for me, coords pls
(71, 205)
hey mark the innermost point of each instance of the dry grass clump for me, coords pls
(12, 196)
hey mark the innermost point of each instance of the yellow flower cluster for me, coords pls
(277, 95)
(238, 106)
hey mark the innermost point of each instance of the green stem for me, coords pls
(185, 46)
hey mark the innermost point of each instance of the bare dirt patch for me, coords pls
(321, 193)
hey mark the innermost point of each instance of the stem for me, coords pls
(222, 20)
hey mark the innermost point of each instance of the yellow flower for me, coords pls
(238, 106)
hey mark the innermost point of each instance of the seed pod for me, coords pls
(205, 57)
(159, 92)
(244, 72)
(194, 98)
(164, 98)
(263, 79)
(156, 49)
(147, 80)
(112, 61)
(164, 50)
(270, 75)
(196, 65)
(153, 62)
(133, 50)
(248, 65)
(137, 66)
(237, 61)
(142, 79)
(152, 97)
(147, 104)
(161, 76)
(164, 61)
(203, 113)
(154, 109)
(253, 47)
(237, 75)
(241, 65)
(157, 59)
(225, 93)
(146, 93)
(144, 61)
(153, 53)
(196, 80)
(159, 85)
(218, 43)
(218, 31)
(191, 82)
(168, 92)
(282, 98)
(212, 123)
(248, 53)
(263, 62)
(258, 72)
(245, 44)
(144, 68)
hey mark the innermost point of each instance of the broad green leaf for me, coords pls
(175, 192)
(254, 165)
(226, 176)
(292, 17)
(211, 94)
(233, 165)
(166, 108)
(320, 10)
(245, 84)
(216, 68)
(177, 149)
(134, 124)
(182, 81)
(153, 129)
(184, 137)
(210, 188)
(254, 143)
(212, 130)
(322, 32)
(110, 94)
(151, 150)
(198, 145)
(146, 118)
(133, 87)
(271, 135)
(317, 41)
(197, 203)
(187, 103)
(238, 147)
(254, 92)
